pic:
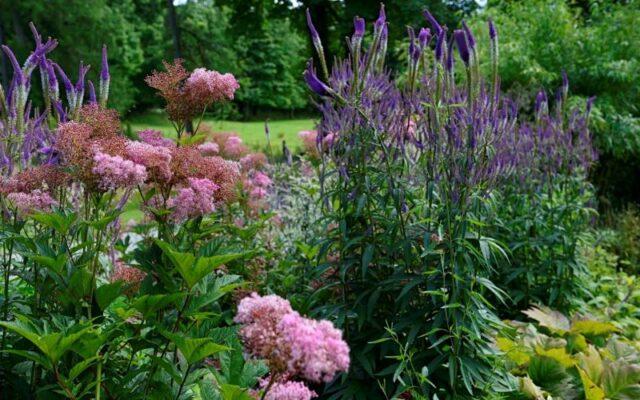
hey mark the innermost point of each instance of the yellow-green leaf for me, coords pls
(591, 390)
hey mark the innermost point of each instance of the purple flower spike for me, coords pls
(382, 19)
(463, 47)
(470, 39)
(493, 32)
(92, 93)
(565, 83)
(439, 47)
(51, 74)
(450, 60)
(541, 100)
(315, 84)
(82, 72)
(590, 102)
(17, 71)
(434, 23)
(423, 37)
(68, 86)
(104, 71)
(359, 27)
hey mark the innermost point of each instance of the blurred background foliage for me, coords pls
(265, 44)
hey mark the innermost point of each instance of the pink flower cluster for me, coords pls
(116, 172)
(290, 390)
(195, 200)
(36, 200)
(257, 185)
(293, 345)
(309, 142)
(211, 86)
(209, 149)
(133, 277)
(233, 146)
(155, 158)
(155, 138)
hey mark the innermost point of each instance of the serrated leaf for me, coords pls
(559, 354)
(196, 349)
(591, 390)
(548, 318)
(107, 293)
(515, 352)
(150, 303)
(593, 328)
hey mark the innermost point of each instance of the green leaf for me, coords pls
(31, 355)
(193, 269)
(59, 222)
(233, 392)
(150, 303)
(55, 264)
(591, 390)
(367, 255)
(621, 381)
(196, 349)
(52, 345)
(553, 320)
(593, 328)
(106, 294)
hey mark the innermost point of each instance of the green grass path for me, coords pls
(252, 133)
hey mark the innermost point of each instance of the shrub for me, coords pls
(408, 175)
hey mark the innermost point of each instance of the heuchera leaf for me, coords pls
(593, 328)
(591, 390)
(548, 318)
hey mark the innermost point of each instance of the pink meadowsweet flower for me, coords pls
(253, 161)
(157, 159)
(28, 203)
(233, 146)
(309, 142)
(290, 390)
(260, 317)
(316, 349)
(258, 192)
(116, 172)
(209, 149)
(328, 140)
(195, 200)
(292, 345)
(261, 179)
(208, 87)
(155, 138)
(131, 276)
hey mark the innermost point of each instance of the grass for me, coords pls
(252, 133)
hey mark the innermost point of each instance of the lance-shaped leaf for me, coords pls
(52, 345)
(150, 303)
(193, 269)
(195, 349)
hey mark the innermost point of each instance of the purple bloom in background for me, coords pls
(450, 60)
(470, 39)
(18, 76)
(104, 71)
(423, 37)
(315, 84)
(381, 21)
(92, 93)
(439, 47)
(68, 86)
(359, 27)
(82, 72)
(493, 32)
(463, 47)
(434, 23)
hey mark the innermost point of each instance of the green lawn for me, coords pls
(252, 133)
